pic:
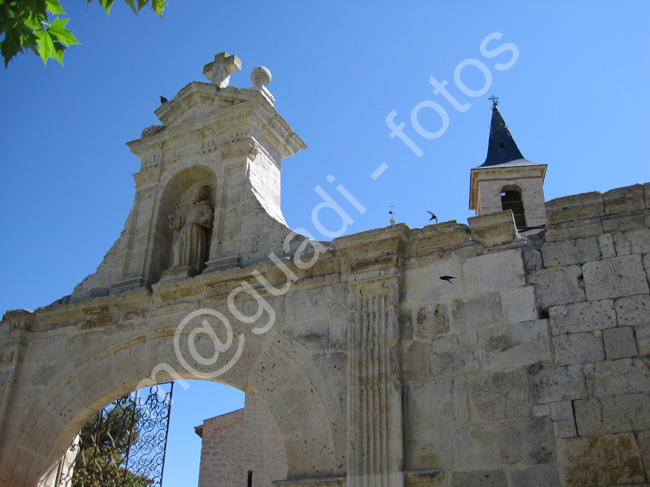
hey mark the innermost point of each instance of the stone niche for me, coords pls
(177, 207)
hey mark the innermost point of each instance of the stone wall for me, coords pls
(535, 370)
(527, 365)
(242, 444)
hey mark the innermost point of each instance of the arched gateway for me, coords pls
(438, 356)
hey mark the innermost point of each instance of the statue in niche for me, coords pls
(191, 246)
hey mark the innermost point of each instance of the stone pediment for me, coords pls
(196, 100)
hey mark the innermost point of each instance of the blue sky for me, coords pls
(576, 98)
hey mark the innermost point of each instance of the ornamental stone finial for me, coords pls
(260, 76)
(219, 70)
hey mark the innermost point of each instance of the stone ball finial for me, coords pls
(260, 76)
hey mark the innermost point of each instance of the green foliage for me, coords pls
(27, 24)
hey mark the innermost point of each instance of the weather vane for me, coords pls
(391, 212)
(494, 100)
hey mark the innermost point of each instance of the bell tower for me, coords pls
(508, 181)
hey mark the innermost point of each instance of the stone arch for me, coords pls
(512, 198)
(271, 366)
(176, 195)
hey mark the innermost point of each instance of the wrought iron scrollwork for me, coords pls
(124, 444)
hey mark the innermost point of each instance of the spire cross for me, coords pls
(391, 209)
(219, 70)
(494, 100)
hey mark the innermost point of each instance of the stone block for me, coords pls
(591, 227)
(623, 223)
(578, 348)
(494, 271)
(454, 355)
(508, 346)
(623, 376)
(633, 311)
(606, 244)
(519, 305)
(540, 410)
(528, 441)
(615, 277)
(604, 460)
(536, 476)
(643, 340)
(428, 448)
(532, 259)
(437, 403)
(476, 311)
(622, 200)
(568, 252)
(474, 446)
(576, 207)
(612, 414)
(405, 319)
(415, 360)
(564, 425)
(644, 446)
(313, 337)
(619, 343)
(582, 317)
(493, 228)
(319, 305)
(338, 336)
(479, 478)
(432, 320)
(558, 285)
(501, 395)
(331, 368)
(559, 384)
(424, 287)
(633, 242)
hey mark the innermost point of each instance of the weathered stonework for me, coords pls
(529, 368)
(241, 445)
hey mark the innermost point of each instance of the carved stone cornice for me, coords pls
(202, 113)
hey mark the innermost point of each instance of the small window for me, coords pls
(250, 478)
(511, 200)
(502, 145)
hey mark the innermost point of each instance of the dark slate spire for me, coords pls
(501, 146)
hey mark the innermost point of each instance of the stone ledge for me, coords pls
(313, 482)
(223, 262)
(428, 478)
(127, 284)
(494, 228)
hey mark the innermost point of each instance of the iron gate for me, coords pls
(124, 444)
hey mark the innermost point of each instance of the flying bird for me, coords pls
(433, 216)
(447, 278)
(163, 99)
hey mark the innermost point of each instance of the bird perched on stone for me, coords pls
(447, 278)
(433, 216)
(163, 99)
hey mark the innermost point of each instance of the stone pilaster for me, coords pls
(375, 447)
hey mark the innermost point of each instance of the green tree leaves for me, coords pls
(27, 24)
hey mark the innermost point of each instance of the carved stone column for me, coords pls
(375, 447)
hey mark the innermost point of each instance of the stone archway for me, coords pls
(269, 366)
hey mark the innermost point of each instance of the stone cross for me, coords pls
(219, 70)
